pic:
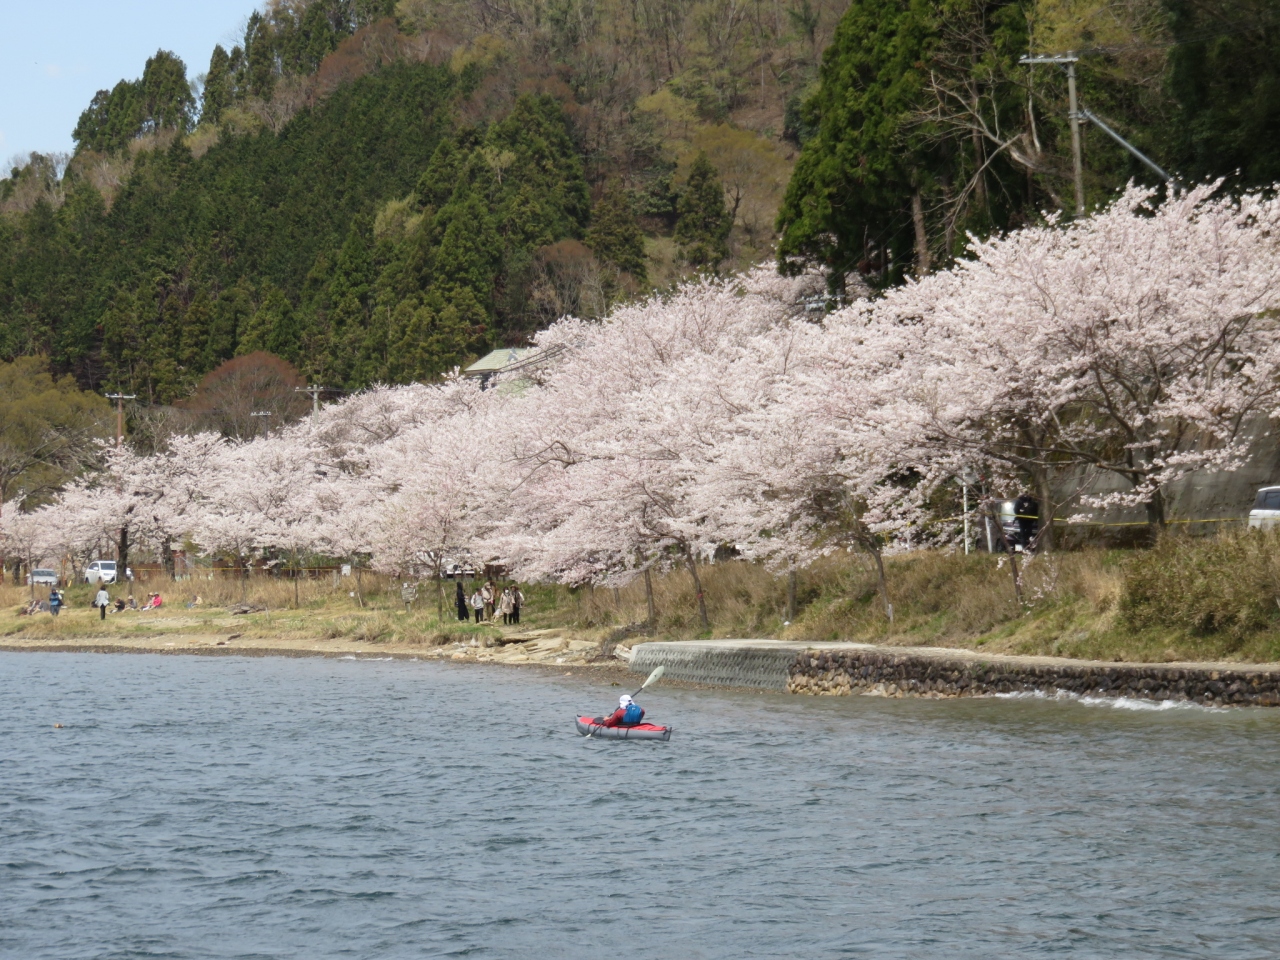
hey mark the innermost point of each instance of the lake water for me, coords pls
(209, 807)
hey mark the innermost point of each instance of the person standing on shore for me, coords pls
(102, 601)
(461, 600)
(505, 605)
(477, 604)
(517, 601)
(487, 592)
(55, 601)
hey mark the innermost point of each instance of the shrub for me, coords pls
(1228, 584)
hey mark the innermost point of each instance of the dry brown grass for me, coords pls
(1185, 600)
(1073, 604)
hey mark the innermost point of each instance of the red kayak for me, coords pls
(589, 727)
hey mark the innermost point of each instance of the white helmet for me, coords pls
(624, 701)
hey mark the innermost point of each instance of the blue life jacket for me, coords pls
(633, 714)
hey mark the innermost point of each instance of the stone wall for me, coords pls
(848, 668)
(887, 673)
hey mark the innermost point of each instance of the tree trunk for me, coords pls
(122, 555)
(980, 188)
(617, 598)
(439, 597)
(1044, 539)
(359, 588)
(1155, 515)
(697, 586)
(791, 596)
(244, 579)
(648, 599)
(166, 558)
(922, 237)
(884, 583)
(296, 571)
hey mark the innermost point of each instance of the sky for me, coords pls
(54, 58)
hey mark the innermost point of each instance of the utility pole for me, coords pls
(262, 413)
(122, 545)
(120, 398)
(1077, 157)
(315, 392)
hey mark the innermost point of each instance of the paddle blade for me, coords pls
(654, 677)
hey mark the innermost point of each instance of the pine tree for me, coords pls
(702, 230)
(615, 236)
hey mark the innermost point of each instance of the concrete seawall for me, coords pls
(846, 668)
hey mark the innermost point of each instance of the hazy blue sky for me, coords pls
(55, 55)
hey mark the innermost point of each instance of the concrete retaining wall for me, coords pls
(760, 665)
(843, 669)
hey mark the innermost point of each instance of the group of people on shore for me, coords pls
(102, 600)
(487, 603)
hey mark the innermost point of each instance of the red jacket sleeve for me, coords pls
(614, 719)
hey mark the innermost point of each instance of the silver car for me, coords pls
(1266, 509)
(41, 577)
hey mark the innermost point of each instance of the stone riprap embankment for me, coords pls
(848, 668)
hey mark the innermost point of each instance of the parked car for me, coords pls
(1266, 509)
(101, 571)
(42, 578)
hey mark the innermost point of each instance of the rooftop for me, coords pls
(498, 360)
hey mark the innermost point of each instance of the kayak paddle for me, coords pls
(654, 677)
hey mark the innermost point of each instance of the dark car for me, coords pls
(1020, 521)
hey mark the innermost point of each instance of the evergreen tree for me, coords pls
(615, 236)
(217, 87)
(1227, 85)
(165, 95)
(702, 230)
(849, 201)
(260, 57)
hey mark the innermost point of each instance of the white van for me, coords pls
(101, 571)
(1266, 509)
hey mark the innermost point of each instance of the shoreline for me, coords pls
(775, 666)
(845, 669)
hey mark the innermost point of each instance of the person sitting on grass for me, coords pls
(118, 605)
(628, 714)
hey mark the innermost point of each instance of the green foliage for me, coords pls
(1228, 585)
(47, 429)
(216, 96)
(1225, 76)
(161, 100)
(848, 200)
(703, 224)
(615, 236)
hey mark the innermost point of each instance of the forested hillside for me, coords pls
(380, 198)
(379, 190)
(927, 127)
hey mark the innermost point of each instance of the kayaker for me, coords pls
(628, 714)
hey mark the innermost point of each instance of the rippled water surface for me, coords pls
(227, 807)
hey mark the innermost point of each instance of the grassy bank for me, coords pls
(1208, 599)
